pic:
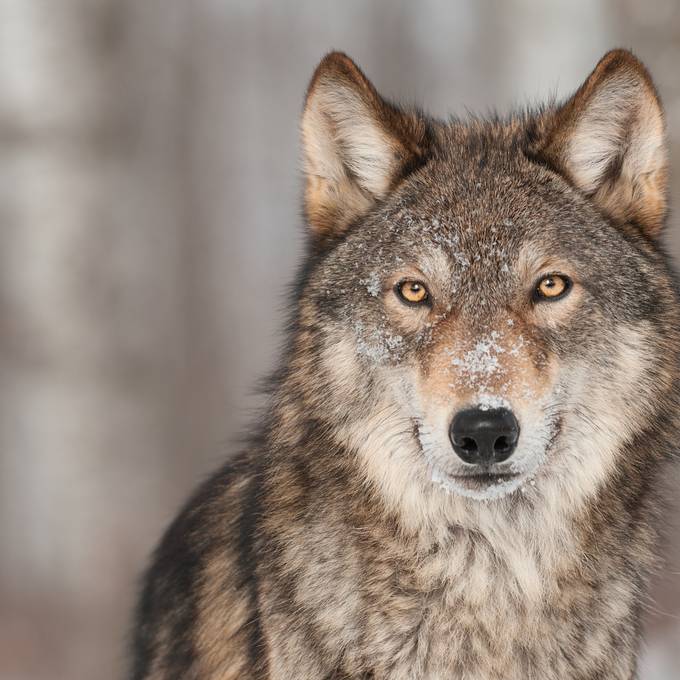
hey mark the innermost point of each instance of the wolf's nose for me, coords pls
(483, 437)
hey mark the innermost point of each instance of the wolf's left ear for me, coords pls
(356, 146)
(609, 141)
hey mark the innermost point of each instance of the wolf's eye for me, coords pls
(552, 287)
(413, 292)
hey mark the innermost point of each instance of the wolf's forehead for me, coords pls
(447, 200)
(466, 238)
(470, 225)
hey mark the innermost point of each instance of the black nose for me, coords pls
(483, 437)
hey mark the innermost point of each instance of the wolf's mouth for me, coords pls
(496, 480)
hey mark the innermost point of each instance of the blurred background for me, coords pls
(149, 221)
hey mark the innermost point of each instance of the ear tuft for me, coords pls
(609, 140)
(356, 146)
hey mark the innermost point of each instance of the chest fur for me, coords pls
(475, 611)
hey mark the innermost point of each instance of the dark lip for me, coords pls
(488, 476)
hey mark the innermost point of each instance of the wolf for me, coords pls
(458, 472)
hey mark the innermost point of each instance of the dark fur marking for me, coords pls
(247, 533)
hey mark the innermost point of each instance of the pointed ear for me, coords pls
(609, 141)
(356, 146)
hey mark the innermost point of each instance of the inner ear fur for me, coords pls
(356, 146)
(609, 141)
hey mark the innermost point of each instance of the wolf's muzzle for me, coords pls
(484, 436)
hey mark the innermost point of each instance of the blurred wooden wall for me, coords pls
(149, 222)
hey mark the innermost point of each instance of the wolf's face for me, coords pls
(488, 302)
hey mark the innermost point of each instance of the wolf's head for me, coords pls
(487, 309)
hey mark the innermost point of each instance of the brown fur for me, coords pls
(349, 541)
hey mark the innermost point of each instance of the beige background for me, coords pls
(149, 222)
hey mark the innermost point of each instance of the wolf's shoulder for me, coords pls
(200, 573)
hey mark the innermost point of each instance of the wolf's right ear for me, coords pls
(356, 146)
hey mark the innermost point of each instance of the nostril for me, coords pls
(468, 444)
(501, 445)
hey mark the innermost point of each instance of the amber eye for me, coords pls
(413, 292)
(552, 287)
